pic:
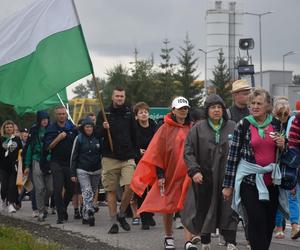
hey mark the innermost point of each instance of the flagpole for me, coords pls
(99, 97)
(61, 101)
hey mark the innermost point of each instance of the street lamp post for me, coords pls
(283, 62)
(205, 63)
(259, 15)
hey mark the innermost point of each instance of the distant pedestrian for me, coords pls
(9, 151)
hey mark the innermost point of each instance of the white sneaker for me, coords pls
(190, 246)
(206, 246)
(178, 224)
(35, 214)
(169, 243)
(11, 208)
(216, 234)
(231, 247)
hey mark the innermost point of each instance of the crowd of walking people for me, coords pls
(211, 167)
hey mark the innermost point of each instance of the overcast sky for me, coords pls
(113, 28)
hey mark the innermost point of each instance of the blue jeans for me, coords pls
(293, 207)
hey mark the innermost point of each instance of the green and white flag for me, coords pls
(42, 50)
(47, 104)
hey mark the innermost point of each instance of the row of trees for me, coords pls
(157, 85)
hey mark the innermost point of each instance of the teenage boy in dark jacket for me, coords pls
(33, 151)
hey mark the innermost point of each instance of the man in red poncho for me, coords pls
(163, 168)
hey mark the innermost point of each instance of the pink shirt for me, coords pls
(264, 149)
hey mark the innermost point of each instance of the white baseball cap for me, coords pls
(180, 102)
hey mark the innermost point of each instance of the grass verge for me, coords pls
(18, 239)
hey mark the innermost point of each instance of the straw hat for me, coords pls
(240, 85)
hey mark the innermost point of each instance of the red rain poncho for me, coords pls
(166, 151)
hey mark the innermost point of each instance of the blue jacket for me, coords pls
(61, 153)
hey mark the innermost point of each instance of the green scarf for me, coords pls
(216, 129)
(260, 127)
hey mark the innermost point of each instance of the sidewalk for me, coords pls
(136, 239)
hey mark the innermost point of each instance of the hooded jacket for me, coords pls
(86, 152)
(213, 100)
(34, 144)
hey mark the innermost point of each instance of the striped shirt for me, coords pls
(294, 133)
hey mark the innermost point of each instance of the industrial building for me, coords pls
(224, 28)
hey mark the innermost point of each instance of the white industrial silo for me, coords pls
(224, 25)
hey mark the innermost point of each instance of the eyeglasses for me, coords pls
(283, 114)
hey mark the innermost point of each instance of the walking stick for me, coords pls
(99, 97)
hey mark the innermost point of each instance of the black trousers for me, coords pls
(145, 216)
(261, 215)
(61, 179)
(8, 185)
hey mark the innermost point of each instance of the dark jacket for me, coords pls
(86, 154)
(236, 114)
(9, 160)
(34, 138)
(143, 137)
(122, 128)
(61, 153)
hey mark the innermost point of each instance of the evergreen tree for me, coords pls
(140, 87)
(165, 55)
(164, 83)
(221, 80)
(187, 72)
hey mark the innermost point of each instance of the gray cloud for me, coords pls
(113, 28)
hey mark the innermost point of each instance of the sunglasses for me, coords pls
(284, 114)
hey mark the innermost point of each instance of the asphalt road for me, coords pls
(136, 239)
